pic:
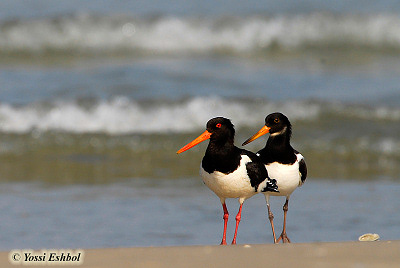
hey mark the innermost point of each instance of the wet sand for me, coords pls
(333, 254)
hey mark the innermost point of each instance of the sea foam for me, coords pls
(122, 115)
(171, 34)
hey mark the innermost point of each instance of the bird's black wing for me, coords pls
(258, 173)
(303, 170)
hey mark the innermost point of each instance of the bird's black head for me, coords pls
(221, 129)
(278, 124)
(275, 124)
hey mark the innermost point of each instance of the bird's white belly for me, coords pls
(287, 177)
(233, 185)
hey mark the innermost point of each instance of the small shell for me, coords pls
(368, 237)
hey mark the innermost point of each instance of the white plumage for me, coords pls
(287, 177)
(233, 185)
(284, 164)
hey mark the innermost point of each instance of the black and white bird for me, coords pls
(228, 171)
(284, 164)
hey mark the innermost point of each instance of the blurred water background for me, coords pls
(97, 96)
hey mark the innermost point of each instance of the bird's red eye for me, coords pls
(218, 125)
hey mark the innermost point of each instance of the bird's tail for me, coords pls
(270, 186)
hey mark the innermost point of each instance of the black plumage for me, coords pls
(283, 163)
(230, 172)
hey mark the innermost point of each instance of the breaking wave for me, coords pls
(87, 34)
(122, 115)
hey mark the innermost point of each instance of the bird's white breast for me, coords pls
(233, 185)
(288, 177)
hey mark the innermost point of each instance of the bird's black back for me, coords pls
(228, 160)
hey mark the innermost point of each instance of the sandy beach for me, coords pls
(333, 254)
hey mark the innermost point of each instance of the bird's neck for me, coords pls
(221, 156)
(279, 142)
(220, 148)
(278, 149)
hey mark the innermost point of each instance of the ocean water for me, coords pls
(95, 100)
(153, 212)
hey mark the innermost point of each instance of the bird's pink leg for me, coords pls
(238, 217)
(271, 220)
(270, 217)
(283, 236)
(226, 216)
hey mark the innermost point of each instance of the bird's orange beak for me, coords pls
(205, 136)
(264, 130)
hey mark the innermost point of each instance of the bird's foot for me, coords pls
(223, 242)
(284, 238)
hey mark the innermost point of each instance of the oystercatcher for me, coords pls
(283, 163)
(228, 171)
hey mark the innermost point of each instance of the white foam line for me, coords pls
(121, 115)
(86, 33)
